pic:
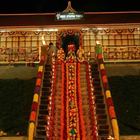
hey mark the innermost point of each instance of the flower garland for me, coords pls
(21, 52)
(109, 98)
(35, 100)
(71, 107)
(80, 103)
(62, 102)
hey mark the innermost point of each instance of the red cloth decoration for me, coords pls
(41, 62)
(39, 74)
(99, 56)
(105, 79)
(109, 101)
(38, 82)
(42, 57)
(103, 72)
(37, 90)
(112, 112)
(33, 116)
(106, 86)
(100, 60)
(34, 106)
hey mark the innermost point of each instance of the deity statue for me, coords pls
(71, 55)
(80, 54)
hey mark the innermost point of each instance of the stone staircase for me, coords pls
(85, 104)
(43, 107)
(100, 105)
(57, 105)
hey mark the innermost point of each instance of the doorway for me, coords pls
(65, 40)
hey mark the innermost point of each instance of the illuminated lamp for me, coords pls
(97, 42)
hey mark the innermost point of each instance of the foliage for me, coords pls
(126, 95)
(16, 97)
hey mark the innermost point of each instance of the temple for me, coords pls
(72, 99)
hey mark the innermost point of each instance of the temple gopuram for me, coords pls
(72, 98)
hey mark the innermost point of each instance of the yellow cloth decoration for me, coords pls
(115, 129)
(108, 94)
(102, 66)
(40, 68)
(35, 98)
(31, 131)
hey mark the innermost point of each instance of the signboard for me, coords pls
(69, 16)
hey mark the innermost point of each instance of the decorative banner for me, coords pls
(69, 32)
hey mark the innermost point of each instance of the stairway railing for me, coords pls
(111, 116)
(36, 100)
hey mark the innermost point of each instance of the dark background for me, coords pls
(51, 6)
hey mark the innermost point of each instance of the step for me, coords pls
(40, 138)
(104, 137)
(94, 65)
(95, 76)
(88, 127)
(48, 73)
(56, 127)
(47, 76)
(97, 93)
(96, 84)
(102, 121)
(48, 66)
(56, 132)
(89, 132)
(46, 89)
(43, 112)
(100, 111)
(41, 132)
(101, 101)
(102, 116)
(99, 97)
(94, 68)
(100, 105)
(43, 106)
(47, 84)
(44, 98)
(96, 79)
(91, 137)
(43, 117)
(46, 93)
(55, 137)
(104, 132)
(103, 126)
(46, 102)
(47, 80)
(95, 73)
(97, 88)
(42, 122)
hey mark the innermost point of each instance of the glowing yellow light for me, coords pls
(44, 43)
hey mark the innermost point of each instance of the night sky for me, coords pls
(51, 6)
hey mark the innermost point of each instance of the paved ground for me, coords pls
(20, 72)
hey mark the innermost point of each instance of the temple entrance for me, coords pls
(65, 40)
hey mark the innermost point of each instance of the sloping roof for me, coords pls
(91, 19)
